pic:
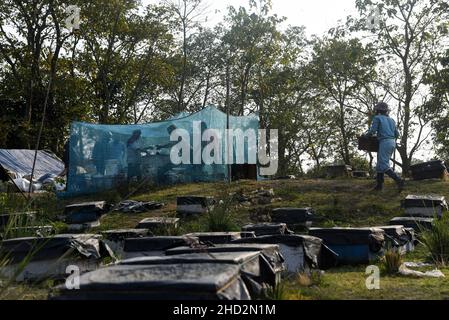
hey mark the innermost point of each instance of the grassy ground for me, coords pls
(344, 203)
(349, 283)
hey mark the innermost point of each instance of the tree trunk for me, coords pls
(181, 105)
(403, 149)
(345, 143)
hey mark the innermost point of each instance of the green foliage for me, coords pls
(99, 73)
(437, 240)
(441, 125)
(339, 69)
(132, 62)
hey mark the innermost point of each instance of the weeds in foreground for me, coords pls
(279, 292)
(309, 279)
(391, 262)
(221, 217)
(8, 278)
(25, 218)
(436, 241)
(168, 230)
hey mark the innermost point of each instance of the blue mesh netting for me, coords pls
(105, 156)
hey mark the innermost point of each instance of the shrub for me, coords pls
(316, 172)
(360, 163)
(220, 220)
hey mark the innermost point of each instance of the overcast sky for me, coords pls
(317, 16)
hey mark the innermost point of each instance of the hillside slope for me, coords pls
(343, 203)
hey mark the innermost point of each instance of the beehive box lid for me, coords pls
(86, 245)
(122, 234)
(155, 222)
(424, 201)
(85, 207)
(217, 257)
(156, 243)
(216, 237)
(347, 236)
(173, 281)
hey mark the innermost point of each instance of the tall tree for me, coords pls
(439, 104)
(408, 36)
(31, 41)
(187, 14)
(125, 58)
(253, 42)
(339, 70)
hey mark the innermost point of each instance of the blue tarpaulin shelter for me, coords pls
(105, 156)
(19, 163)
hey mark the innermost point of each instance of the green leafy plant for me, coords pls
(392, 261)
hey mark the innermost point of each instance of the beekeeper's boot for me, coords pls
(380, 182)
(397, 179)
